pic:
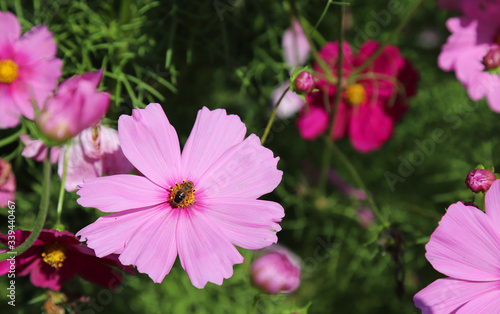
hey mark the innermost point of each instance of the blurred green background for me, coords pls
(227, 54)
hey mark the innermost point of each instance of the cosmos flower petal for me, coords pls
(108, 234)
(205, 254)
(89, 268)
(485, 303)
(113, 160)
(245, 170)
(296, 48)
(247, 223)
(152, 248)
(446, 295)
(290, 104)
(10, 112)
(465, 245)
(40, 43)
(213, 133)
(79, 166)
(492, 202)
(11, 31)
(150, 143)
(312, 121)
(369, 127)
(120, 192)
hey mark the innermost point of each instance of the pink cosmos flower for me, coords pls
(198, 204)
(28, 69)
(466, 247)
(370, 104)
(37, 150)
(472, 38)
(56, 257)
(277, 270)
(96, 151)
(7, 183)
(77, 105)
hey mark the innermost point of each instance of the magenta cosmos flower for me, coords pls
(197, 205)
(466, 247)
(28, 69)
(277, 270)
(472, 38)
(7, 183)
(56, 257)
(77, 105)
(370, 104)
(94, 152)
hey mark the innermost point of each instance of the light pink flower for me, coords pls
(466, 247)
(290, 104)
(296, 48)
(96, 151)
(28, 69)
(277, 270)
(160, 216)
(7, 183)
(37, 150)
(77, 105)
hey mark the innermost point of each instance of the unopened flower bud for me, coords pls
(304, 83)
(278, 270)
(480, 180)
(492, 59)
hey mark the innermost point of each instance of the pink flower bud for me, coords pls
(77, 105)
(492, 59)
(304, 83)
(480, 180)
(278, 270)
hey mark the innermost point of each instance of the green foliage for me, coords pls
(227, 54)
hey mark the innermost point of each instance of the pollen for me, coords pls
(8, 71)
(355, 94)
(182, 195)
(54, 254)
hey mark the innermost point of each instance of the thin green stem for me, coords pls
(60, 201)
(359, 182)
(42, 214)
(273, 115)
(391, 37)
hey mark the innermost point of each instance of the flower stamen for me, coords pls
(54, 254)
(182, 195)
(355, 94)
(8, 71)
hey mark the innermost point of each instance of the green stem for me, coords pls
(42, 214)
(359, 182)
(273, 115)
(391, 37)
(60, 201)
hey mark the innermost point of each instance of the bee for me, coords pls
(185, 190)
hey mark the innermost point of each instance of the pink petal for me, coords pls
(247, 223)
(33, 148)
(446, 295)
(290, 104)
(109, 234)
(484, 304)
(213, 133)
(492, 202)
(10, 113)
(295, 45)
(312, 122)
(205, 254)
(245, 170)
(79, 167)
(120, 192)
(113, 159)
(150, 143)
(11, 31)
(42, 78)
(152, 247)
(93, 270)
(465, 245)
(369, 127)
(37, 45)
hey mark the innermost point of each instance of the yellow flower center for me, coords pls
(182, 195)
(355, 94)
(54, 254)
(8, 71)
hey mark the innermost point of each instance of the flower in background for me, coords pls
(197, 205)
(277, 270)
(28, 69)
(296, 50)
(473, 38)
(7, 183)
(94, 152)
(57, 256)
(77, 105)
(37, 150)
(466, 247)
(371, 102)
(365, 217)
(480, 180)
